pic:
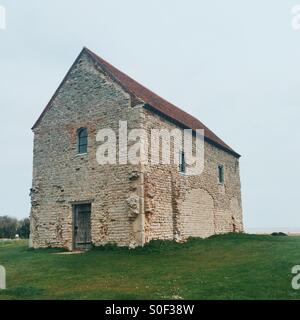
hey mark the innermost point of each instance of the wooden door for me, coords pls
(82, 226)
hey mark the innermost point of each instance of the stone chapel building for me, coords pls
(76, 202)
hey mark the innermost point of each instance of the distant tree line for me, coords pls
(10, 227)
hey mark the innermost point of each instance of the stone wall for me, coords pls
(178, 206)
(61, 177)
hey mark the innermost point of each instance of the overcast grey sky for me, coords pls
(233, 64)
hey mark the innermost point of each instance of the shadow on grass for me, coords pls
(172, 245)
(23, 292)
(168, 245)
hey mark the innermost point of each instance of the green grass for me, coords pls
(222, 267)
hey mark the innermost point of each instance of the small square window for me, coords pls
(221, 173)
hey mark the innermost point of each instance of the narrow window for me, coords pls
(221, 174)
(182, 164)
(82, 138)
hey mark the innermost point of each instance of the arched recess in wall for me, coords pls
(197, 214)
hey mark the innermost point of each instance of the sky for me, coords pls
(233, 64)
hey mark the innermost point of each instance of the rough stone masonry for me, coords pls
(130, 204)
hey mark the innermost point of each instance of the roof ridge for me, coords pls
(152, 92)
(127, 82)
(157, 103)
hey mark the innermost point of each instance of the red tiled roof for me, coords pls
(153, 100)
